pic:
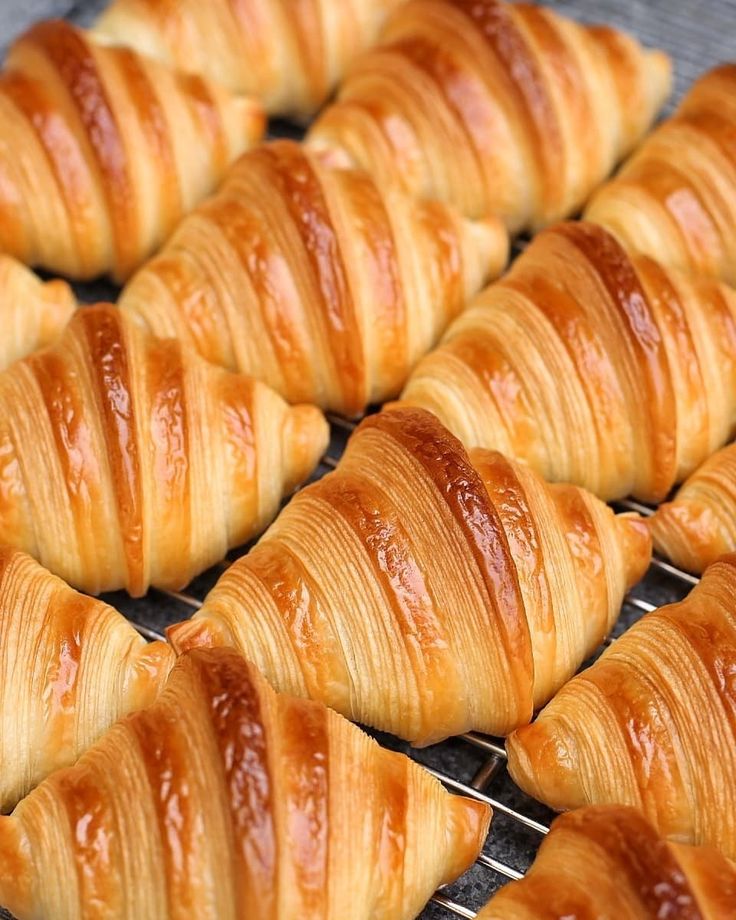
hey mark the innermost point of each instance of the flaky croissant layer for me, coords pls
(594, 366)
(102, 151)
(651, 724)
(288, 55)
(675, 199)
(69, 667)
(226, 801)
(314, 280)
(609, 863)
(498, 108)
(128, 462)
(424, 590)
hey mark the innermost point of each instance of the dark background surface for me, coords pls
(697, 35)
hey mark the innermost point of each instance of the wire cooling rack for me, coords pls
(698, 34)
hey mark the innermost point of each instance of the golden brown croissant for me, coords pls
(69, 667)
(423, 590)
(593, 366)
(288, 55)
(127, 462)
(313, 280)
(651, 724)
(102, 150)
(227, 800)
(699, 525)
(675, 199)
(32, 313)
(498, 108)
(609, 863)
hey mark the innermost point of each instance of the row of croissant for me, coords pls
(423, 588)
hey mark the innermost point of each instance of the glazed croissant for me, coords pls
(675, 199)
(102, 150)
(498, 108)
(610, 863)
(699, 525)
(32, 313)
(288, 55)
(423, 590)
(651, 724)
(313, 280)
(227, 800)
(126, 462)
(592, 366)
(69, 667)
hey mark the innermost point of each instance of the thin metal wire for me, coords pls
(670, 569)
(453, 906)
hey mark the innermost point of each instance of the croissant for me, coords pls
(32, 313)
(675, 199)
(69, 667)
(423, 590)
(288, 55)
(498, 108)
(313, 280)
(651, 724)
(126, 462)
(593, 366)
(610, 863)
(226, 800)
(102, 150)
(699, 525)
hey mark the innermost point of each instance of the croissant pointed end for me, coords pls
(469, 822)
(660, 76)
(199, 632)
(15, 868)
(305, 438)
(543, 764)
(487, 247)
(636, 546)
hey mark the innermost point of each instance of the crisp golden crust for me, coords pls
(225, 799)
(288, 55)
(104, 150)
(32, 313)
(675, 198)
(652, 724)
(126, 462)
(609, 862)
(593, 366)
(69, 667)
(498, 108)
(314, 280)
(350, 599)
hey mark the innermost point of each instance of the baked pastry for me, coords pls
(423, 590)
(651, 724)
(675, 199)
(127, 462)
(313, 280)
(32, 313)
(498, 108)
(699, 524)
(69, 667)
(102, 150)
(610, 863)
(288, 55)
(593, 366)
(225, 799)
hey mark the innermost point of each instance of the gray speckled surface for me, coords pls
(697, 34)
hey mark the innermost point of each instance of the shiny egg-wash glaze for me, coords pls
(651, 724)
(32, 314)
(126, 462)
(609, 863)
(104, 150)
(675, 199)
(69, 667)
(349, 599)
(287, 55)
(495, 107)
(225, 800)
(314, 280)
(594, 366)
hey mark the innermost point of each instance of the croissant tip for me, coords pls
(637, 545)
(470, 822)
(306, 438)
